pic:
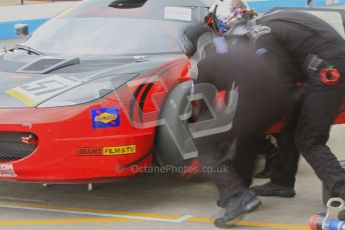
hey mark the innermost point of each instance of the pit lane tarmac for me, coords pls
(147, 202)
(153, 202)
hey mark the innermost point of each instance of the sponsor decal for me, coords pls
(90, 151)
(121, 150)
(108, 151)
(34, 92)
(7, 170)
(105, 118)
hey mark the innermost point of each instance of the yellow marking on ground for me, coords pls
(273, 225)
(21, 97)
(267, 225)
(200, 220)
(64, 221)
(253, 224)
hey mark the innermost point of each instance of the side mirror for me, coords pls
(22, 30)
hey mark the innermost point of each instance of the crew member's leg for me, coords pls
(213, 158)
(286, 161)
(243, 200)
(269, 151)
(319, 109)
(245, 158)
(285, 164)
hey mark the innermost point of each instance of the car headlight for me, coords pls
(88, 91)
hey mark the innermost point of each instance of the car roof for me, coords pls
(186, 3)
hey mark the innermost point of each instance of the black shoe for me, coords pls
(270, 189)
(241, 203)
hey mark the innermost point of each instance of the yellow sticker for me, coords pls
(21, 97)
(120, 150)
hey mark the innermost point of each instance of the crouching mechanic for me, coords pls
(316, 57)
(262, 100)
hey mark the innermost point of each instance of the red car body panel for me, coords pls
(70, 150)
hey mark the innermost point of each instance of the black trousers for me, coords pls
(213, 156)
(307, 132)
(231, 174)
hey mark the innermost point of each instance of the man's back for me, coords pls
(263, 96)
(295, 35)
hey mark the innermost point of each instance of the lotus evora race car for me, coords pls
(81, 98)
(76, 95)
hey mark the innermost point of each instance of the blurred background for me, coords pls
(20, 2)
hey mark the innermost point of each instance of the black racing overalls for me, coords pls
(262, 101)
(293, 38)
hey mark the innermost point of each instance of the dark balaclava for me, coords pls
(191, 37)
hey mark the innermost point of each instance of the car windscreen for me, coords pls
(107, 36)
(105, 28)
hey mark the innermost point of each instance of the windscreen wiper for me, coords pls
(29, 49)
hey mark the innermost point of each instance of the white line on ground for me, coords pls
(20, 199)
(178, 221)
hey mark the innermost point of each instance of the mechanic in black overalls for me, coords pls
(317, 57)
(263, 100)
(307, 49)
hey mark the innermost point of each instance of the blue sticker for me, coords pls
(261, 51)
(105, 118)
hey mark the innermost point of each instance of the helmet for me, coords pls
(224, 13)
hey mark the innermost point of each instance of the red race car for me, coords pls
(82, 97)
(72, 92)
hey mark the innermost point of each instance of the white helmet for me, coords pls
(226, 12)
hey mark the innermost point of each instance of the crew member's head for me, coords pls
(225, 13)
